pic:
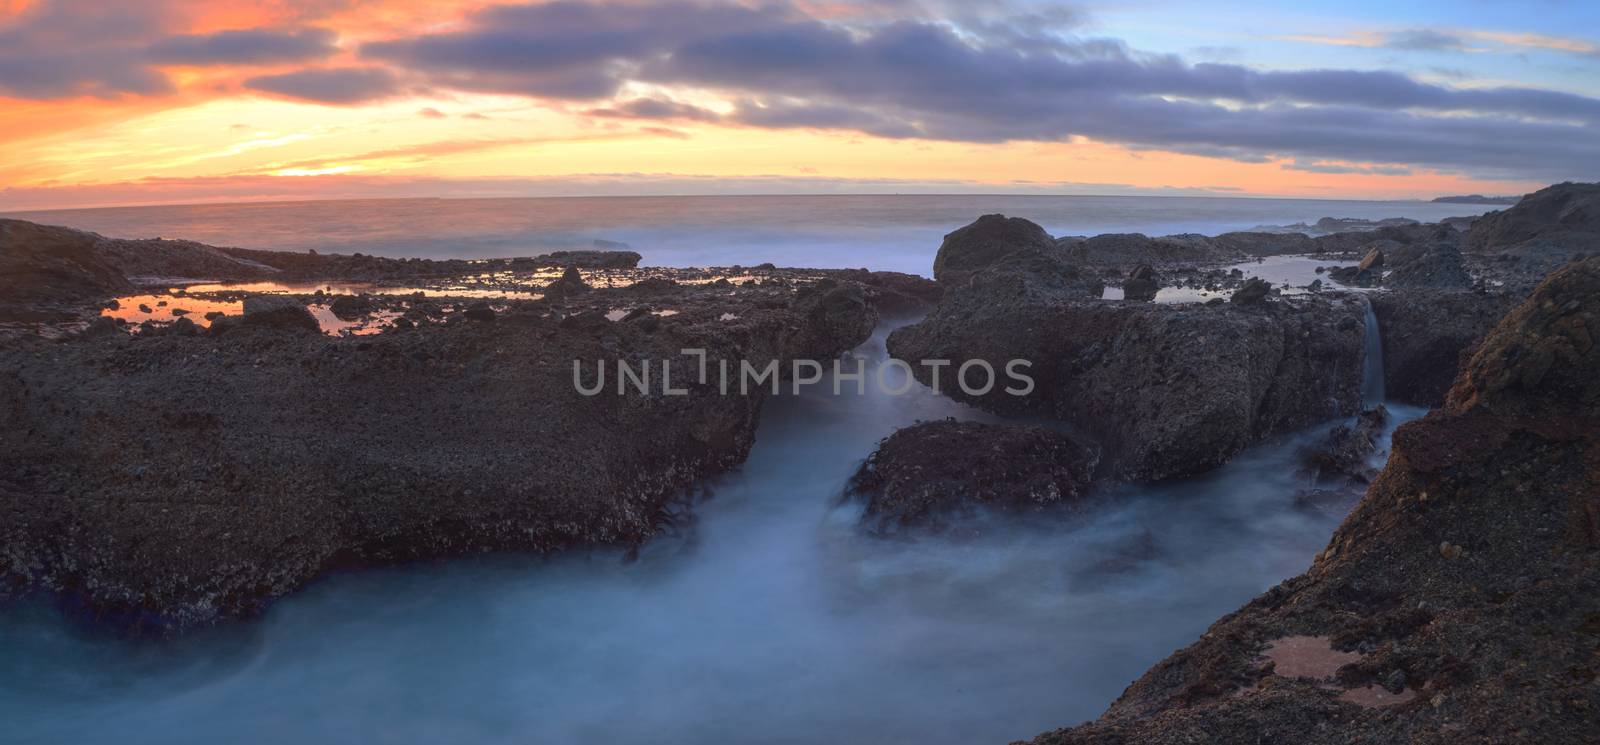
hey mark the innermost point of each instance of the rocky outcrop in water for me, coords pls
(986, 241)
(1168, 390)
(1340, 458)
(1459, 601)
(932, 475)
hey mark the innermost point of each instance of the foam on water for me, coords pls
(768, 619)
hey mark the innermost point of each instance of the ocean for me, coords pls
(894, 233)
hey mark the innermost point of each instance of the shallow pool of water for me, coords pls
(768, 619)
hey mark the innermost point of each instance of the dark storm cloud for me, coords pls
(348, 85)
(244, 47)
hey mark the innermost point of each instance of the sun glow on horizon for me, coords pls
(232, 108)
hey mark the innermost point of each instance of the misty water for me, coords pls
(768, 618)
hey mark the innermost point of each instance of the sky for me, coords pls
(183, 101)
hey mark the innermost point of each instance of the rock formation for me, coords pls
(1459, 601)
(169, 479)
(1425, 334)
(1168, 390)
(933, 474)
(984, 242)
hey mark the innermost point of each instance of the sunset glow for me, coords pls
(178, 101)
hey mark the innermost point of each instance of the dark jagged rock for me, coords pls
(1460, 599)
(1342, 455)
(932, 475)
(350, 307)
(1426, 332)
(570, 283)
(654, 286)
(1132, 249)
(1437, 265)
(1353, 276)
(42, 267)
(1252, 243)
(1141, 284)
(606, 259)
(1562, 216)
(1372, 262)
(897, 293)
(1541, 233)
(987, 240)
(835, 318)
(279, 312)
(1168, 390)
(480, 311)
(1252, 292)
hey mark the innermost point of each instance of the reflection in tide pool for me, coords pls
(1290, 274)
(769, 620)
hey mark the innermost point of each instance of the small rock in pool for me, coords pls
(277, 311)
(1253, 291)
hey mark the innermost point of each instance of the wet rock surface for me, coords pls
(935, 476)
(1426, 332)
(1459, 601)
(986, 241)
(1167, 390)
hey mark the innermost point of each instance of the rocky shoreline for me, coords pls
(191, 472)
(1460, 601)
(194, 431)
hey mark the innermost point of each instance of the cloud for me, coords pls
(564, 49)
(1341, 168)
(994, 77)
(676, 134)
(71, 48)
(782, 114)
(346, 85)
(1424, 40)
(429, 112)
(244, 47)
(1459, 40)
(931, 69)
(1546, 42)
(655, 108)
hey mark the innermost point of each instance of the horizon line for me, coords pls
(271, 201)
